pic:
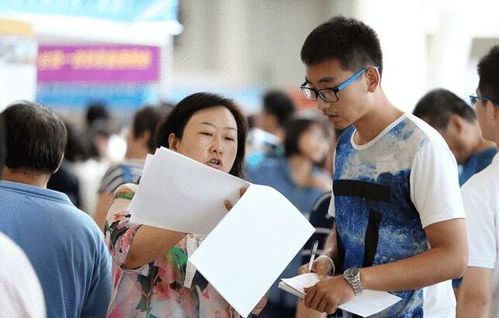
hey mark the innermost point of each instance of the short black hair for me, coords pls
(278, 104)
(36, 137)
(2, 144)
(96, 111)
(488, 72)
(350, 41)
(147, 120)
(187, 107)
(439, 104)
(295, 127)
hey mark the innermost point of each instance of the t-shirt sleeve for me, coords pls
(481, 227)
(99, 295)
(119, 231)
(434, 184)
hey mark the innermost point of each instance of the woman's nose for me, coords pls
(216, 146)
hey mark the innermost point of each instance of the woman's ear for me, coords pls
(172, 142)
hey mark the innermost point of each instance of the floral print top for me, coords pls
(155, 289)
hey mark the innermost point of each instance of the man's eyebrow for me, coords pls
(327, 79)
(214, 126)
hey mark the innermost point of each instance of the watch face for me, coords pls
(352, 272)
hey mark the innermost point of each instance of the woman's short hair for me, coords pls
(175, 123)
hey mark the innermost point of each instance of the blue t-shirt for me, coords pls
(64, 245)
(476, 163)
(275, 172)
(384, 193)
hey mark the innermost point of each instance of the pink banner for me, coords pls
(98, 63)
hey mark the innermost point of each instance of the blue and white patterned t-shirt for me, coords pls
(385, 193)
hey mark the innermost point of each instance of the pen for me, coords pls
(312, 255)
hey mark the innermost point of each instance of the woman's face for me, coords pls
(313, 143)
(209, 137)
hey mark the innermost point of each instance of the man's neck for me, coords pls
(483, 144)
(375, 121)
(136, 153)
(26, 176)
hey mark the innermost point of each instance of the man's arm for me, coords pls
(475, 293)
(446, 259)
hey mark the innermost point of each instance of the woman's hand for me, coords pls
(229, 205)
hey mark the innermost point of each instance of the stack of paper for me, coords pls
(366, 304)
(247, 248)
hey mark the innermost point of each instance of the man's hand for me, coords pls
(322, 266)
(328, 294)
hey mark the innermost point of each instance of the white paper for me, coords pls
(366, 304)
(251, 246)
(183, 195)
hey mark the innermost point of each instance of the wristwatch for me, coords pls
(352, 276)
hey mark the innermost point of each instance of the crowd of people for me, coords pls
(404, 203)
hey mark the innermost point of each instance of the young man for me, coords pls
(396, 198)
(479, 293)
(456, 122)
(64, 245)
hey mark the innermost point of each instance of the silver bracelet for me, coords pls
(333, 269)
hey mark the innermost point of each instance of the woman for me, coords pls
(298, 175)
(152, 277)
(300, 179)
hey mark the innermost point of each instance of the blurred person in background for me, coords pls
(97, 130)
(456, 121)
(299, 177)
(140, 142)
(479, 293)
(266, 137)
(64, 245)
(65, 179)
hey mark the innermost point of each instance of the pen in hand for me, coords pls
(312, 255)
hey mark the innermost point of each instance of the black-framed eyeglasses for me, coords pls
(474, 99)
(330, 94)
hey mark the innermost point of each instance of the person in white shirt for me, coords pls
(21, 294)
(479, 293)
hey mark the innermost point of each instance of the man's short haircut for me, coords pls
(96, 111)
(350, 41)
(278, 104)
(438, 105)
(488, 71)
(146, 120)
(36, 138)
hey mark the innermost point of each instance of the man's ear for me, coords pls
(456, 124)
(373, 79)
(144, 137)
(58, 166)
(172, 142)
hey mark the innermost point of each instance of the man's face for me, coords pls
(485, 114)
(351, 104)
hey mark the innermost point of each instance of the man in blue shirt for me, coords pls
(63, 244)
(456, 122)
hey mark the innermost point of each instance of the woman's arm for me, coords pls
(134, 245)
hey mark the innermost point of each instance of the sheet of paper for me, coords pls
(181, 194)
(366, 304)
(251, 246)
